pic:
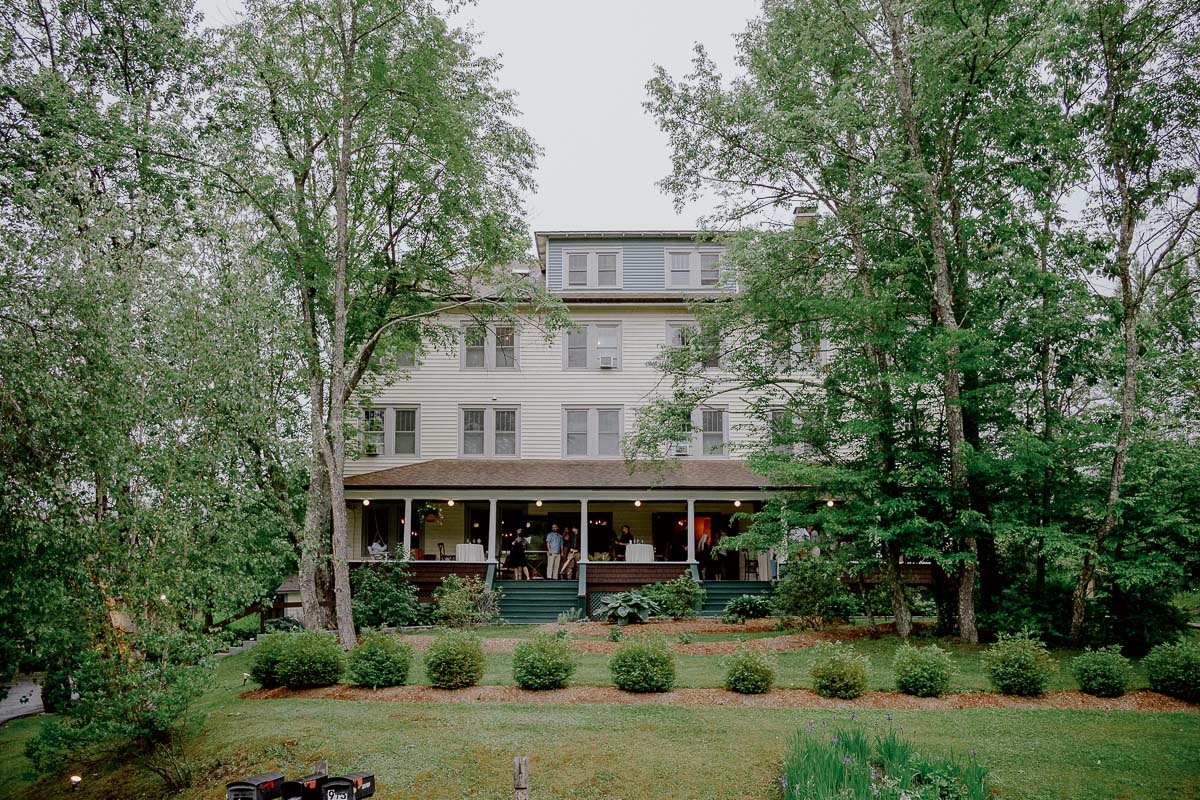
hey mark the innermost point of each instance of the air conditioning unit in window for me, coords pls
(608, 362)
(682, 449)
(373, 449)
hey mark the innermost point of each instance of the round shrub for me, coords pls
(922, 671)
(645, 664)
(310, 659)
(747, 606)
(544, 661)
(455, 661)
(264, 664)
(1103, 672)
(749, 672)
(1019, 664)
(1174, 669)
(838, 671)
(380, 660)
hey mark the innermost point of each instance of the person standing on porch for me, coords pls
(554, 548)
(622, 542)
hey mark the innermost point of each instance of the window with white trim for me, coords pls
(712, 431)
(591, 431)
(404, 433)
(592, 269)
(691, 268)
(684, 334)
(373, 435)
(489, 431)
(593, 345)
(490, 347)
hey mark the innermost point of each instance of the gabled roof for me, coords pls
(458, 473)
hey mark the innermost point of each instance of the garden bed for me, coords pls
(774, 644)
(779, 698)
(674, 627)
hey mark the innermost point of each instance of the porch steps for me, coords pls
(721, 592)
(536, 602)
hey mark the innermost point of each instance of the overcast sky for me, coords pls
(579, 68)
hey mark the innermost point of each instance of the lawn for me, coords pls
(464, 750)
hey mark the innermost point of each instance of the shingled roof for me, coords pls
(561, 474)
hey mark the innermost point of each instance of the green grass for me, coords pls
(597, 752)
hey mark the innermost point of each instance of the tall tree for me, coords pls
(378, 154)
(1143, 126)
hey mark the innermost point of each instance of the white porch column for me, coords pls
(492, 533)
(691, 528)
(408, 512)
(583, 531)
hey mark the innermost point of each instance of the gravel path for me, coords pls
(779, 698)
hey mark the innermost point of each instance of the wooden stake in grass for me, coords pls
(521, 778)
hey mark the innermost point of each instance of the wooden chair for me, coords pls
(752, 567)
(442, 553)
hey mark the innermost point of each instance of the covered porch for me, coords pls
(627, 528)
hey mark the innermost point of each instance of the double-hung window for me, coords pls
(391, 431)
(489, 431)
(593, 345)
(373, 435)
(691, 268)
(712, 431)
(591, 431)
(591, 269)
(404, 435)
(687, 334)
(490, 347)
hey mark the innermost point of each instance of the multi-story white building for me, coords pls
(513, 433)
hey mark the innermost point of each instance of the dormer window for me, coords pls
(591, 269)
(691, 268)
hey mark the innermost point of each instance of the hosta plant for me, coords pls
(628, 607)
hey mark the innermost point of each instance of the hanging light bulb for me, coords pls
(450, 503)
(538, 504)
(737, 503)
(366, 502)
(637, 503)
(829, 503)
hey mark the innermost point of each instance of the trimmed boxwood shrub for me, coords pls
(455, 660)
(922, 671)
(1019, 664)
(644, 664)
(749, 672)
(310, 659)
(264, 664)
(1103, 672)
(1174, 669)
(465, 602)
(839, 671)
(380, 660)
(544, 661)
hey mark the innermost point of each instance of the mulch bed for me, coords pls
(1141, 700)
(774, 644)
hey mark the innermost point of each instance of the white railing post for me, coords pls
(492, 552)
(583, 531)
(408, 512)
(691, 529)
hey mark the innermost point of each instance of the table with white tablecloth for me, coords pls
(469, 552)
(639, 552)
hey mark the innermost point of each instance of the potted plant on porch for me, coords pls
(429, 513)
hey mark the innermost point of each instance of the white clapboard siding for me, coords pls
(540, 387)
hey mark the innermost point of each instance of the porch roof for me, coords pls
(458, 473)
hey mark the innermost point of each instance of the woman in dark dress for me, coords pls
(517, 559)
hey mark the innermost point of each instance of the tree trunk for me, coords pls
(870, 612)
(336, 430)
(952, 379)
(900, 608)
(313, 552)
